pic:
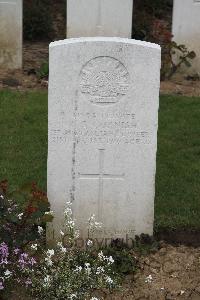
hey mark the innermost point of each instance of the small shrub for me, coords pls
(21, 223)
(170, 48)
(125, 262)
(22, 211)
(43, 72)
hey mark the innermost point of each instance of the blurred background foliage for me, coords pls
(46, 19)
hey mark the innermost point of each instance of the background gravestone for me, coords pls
(99, 18)
(103, 114)
(10, 34)
(186, 27)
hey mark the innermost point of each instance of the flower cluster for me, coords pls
(93, 224)
(65, 272)
(14, 265)
(21, 222)
(68, 272)
(18, 219)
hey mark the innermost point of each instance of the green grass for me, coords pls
(23, 152)
(23, 137)
(177, 203)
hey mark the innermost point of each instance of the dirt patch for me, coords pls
(181, 86)
(34, 55)
(169, 274)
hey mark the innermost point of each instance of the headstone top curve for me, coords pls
(105, 39)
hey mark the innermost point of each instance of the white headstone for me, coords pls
(87, 18)
(11, 34)
(186, 27)
(103, 117)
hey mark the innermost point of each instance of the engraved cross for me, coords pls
(101, 176)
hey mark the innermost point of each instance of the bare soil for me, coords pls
(169, 274)
(180, 86)
(34, 55)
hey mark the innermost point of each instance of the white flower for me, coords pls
(68, 211)
(76, 234)
(7, 273)
(89, 243)
(100, 270)
(20, 216)
(97, 225)
(63, 249)
(87, 265)
(109, 280)
(50, 252)
(71, 223)
(93, 224)
(72, 296)
(49, 212)
(47, 280)
(92, 218)
(34, 246)
(62, 233)
(40, 230)
(87, 268)
(182, 292)
(149, 279)
(48, 261)
(110, 260)
(101, 256)
(78, 269)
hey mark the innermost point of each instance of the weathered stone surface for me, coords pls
(99, 18)
(186, 28)
(103, 106)
(10, 34)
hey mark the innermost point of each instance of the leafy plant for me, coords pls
(23, 214)
(43, 72)
(22, 211)
(125, 262)
(173, 55)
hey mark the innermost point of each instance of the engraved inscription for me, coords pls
(104, 80)
(103, 128)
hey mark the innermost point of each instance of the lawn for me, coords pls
(23, 152)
